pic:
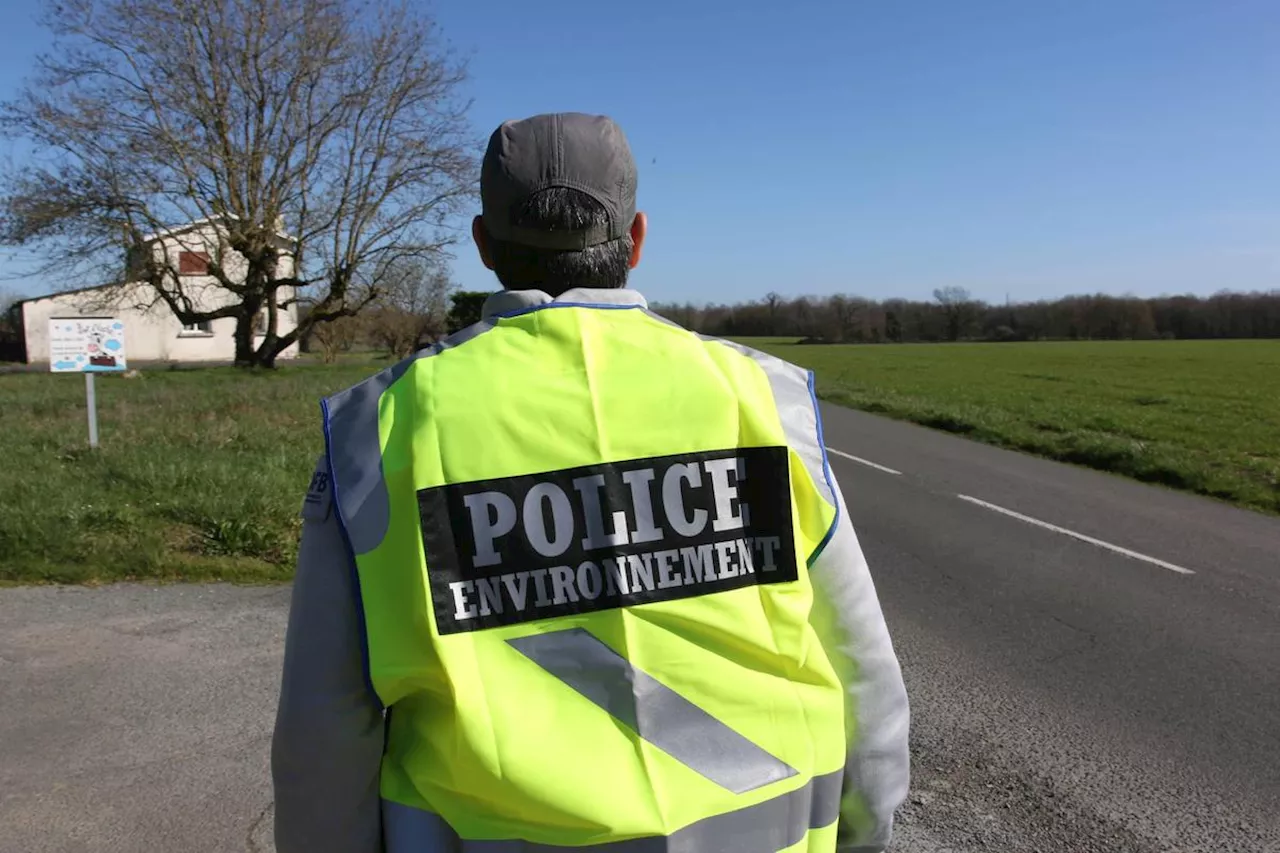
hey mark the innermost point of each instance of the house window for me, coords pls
(204, 327)
(193, 263)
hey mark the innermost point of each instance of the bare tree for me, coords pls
(325, 138)
(336, 336)
(11, 348)
(411, 312)
(773, 300)
(7, 321)
(959, 307)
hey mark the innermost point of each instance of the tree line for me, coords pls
(420, 309)
(954, 315)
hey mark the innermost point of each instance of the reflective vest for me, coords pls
(582, 536)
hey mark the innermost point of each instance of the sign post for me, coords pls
(87, 345)
(91, 403)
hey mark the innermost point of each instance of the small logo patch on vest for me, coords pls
(315, 506)
(581, 540)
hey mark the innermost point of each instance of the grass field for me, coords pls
(1203, 416)
(201, 473)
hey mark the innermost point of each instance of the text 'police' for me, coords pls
(501, 552)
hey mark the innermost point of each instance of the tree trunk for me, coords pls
(267, 352)
(272, 345)
(245, 356)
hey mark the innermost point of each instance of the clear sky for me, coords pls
(1030, 148)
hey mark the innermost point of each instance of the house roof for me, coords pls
(163, 232)
(71, 292)
(197, 223)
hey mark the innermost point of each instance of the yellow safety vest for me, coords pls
(582, 537)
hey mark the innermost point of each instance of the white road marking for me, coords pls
(862, 461)
(1065, 532)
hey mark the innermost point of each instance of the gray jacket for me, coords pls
(329, 735)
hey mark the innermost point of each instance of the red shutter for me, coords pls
(193, 263)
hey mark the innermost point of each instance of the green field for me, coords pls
(1203, 416)
(201, 473)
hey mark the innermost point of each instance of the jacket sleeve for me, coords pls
(856, 639)
(326, 752)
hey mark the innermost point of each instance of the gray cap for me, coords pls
(581, 152)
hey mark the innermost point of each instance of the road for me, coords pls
(138, 719)
(1067, 696)
(1118, 692)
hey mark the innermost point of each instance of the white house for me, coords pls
(153, 334)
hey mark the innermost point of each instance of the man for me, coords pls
(594, 567)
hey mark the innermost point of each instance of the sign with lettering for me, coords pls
(86, 345)
(502, 552)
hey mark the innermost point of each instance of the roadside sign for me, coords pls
(87, 345)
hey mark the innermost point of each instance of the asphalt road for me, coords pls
(138, 719)
(1066, 696)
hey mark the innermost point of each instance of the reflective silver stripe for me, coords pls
(355, 455)
(797, 409)
(654, 711)
(763, 828)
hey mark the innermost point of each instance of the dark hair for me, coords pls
(521, 267)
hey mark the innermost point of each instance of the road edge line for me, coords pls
(1074, 535)
(866, 462)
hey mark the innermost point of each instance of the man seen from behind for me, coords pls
(578, 578)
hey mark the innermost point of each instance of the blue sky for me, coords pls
(1030, 148)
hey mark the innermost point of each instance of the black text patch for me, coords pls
(506, 551)
(315, 506)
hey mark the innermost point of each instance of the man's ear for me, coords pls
(639, 228)
(481, 237)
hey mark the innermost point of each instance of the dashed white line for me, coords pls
(1065, 532)
(862, 461)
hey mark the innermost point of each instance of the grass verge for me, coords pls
(1202, 416)
(200, 474)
